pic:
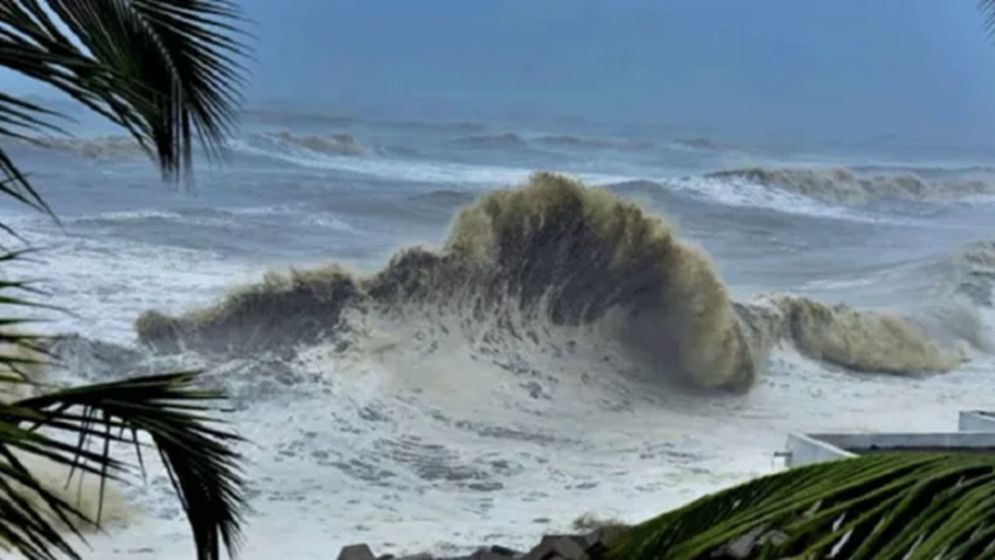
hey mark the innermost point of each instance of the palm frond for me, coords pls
(19, 350)
(912, 506)
(76, 428)
(15, 184)
(176, 64)
(24, 527)
(168, 71)
(987, 9)
(170, 409)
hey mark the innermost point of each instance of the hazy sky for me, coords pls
(831, 68)
(848, 68)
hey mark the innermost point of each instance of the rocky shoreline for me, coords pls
(589, 546)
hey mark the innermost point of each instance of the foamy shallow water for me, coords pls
(407, 468)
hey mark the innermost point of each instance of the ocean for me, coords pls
(424, 360)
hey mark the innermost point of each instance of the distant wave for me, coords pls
(393, 169)
(294, 117)
(342, 144)
(512, 141)
(570, 141)
(211, 218)
(142, 218)
(123, 147)
(443, 198)
(422, 171)
(561, 268)
(506, 141)
(433, 127)
(272, 116)
(101, 148)
(843, 186)
(706, 144)
(129, 216)
(927, 171)
(733, 191)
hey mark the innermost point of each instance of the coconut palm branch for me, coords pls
(175, 415)
(84, 429)
(987, 8)
(898, 505)
(168, 72)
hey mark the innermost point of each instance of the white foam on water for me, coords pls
(107, 281)
(415, 444)
(130, 215)
(445, 451)
(412, 453)
(438, 443)
(737, 192)
(331, 222)
(226, 218)
(414, 170)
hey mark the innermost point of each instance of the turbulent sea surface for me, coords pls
(423, 363)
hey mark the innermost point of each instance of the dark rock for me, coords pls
(485, 554)
(356, 552)
(558, 547)
(598, 542)
(487, 486)
(494, 553)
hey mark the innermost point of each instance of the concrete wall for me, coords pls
(976, 421)
(804, 449)
(916, 441)
(976, 432)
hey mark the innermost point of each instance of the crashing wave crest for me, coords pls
(342, 144)
(701, 143)
(859, 340)
(843, 186)
(505, 141)
(555, 256)
(100, 148)
(974, 270)
(571, 141)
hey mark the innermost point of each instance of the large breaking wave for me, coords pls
(555, 263)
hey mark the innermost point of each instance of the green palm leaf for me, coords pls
(167, 71)
(78, 428)
(195, 451)
(175, 64)
(987, 8)
(912, 506)
(19, 351)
